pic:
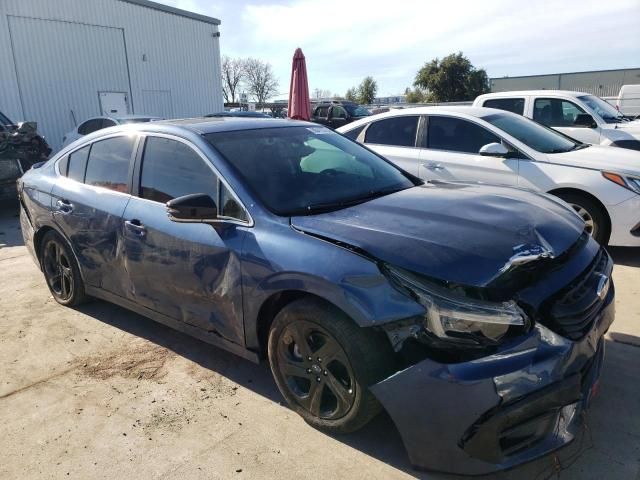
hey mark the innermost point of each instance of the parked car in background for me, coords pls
(474, 315)
(336, 114)
(98, 123)
(20, 148)
(582, 116)
(240, 114)
(487, 145)
(628, 101)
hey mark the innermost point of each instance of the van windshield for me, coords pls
(532, 134)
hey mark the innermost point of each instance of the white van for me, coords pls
(579, 115)
(629, 100)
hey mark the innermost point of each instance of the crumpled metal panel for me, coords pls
(434, 405)
(460, 233)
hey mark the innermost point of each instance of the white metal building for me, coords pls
(62, 61)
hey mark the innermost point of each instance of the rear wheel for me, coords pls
(323, 365)
(595, 219)
(61, 270)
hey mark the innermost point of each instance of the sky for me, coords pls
(347, 40)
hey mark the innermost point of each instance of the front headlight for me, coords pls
(455, 318)
(626, 181)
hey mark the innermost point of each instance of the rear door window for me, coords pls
(457, 135)
(171, 169)
(397, 131)
(555, 112)
(78, 164)
(108, 164)
(515, 105)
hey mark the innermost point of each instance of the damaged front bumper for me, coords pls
(499, 411)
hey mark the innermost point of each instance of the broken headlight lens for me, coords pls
(453, 317)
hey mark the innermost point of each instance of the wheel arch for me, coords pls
(37, 245)
(274, 304)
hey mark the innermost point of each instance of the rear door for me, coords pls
(187, 271)
(337, 116)
(451, 153)
(395, 139)
(88, 203)
(321, 115)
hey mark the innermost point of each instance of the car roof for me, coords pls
(458, 111)
(204, 125)
(514, 93)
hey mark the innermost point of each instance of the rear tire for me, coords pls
(323, 364)
(61, 270)
(596, 219)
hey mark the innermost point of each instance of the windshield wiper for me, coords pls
(328, 206)
(580, 146)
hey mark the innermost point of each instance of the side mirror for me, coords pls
(494, 150)
(197, 207)
(585, 120)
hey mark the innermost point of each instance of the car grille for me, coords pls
(573, 312)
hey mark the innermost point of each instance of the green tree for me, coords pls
(415, 96)
(351, 94)
(367, 91)
(452, 79)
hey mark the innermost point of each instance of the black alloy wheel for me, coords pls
(323, 364)
(316, 370)
(61, 271)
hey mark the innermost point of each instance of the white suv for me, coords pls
(487, 145)
(582, 116)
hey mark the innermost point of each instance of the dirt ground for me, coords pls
(100, 392)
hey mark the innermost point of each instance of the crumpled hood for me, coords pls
(600, 157)
(455, 232)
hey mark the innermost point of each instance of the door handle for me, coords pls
(135, 227)
(433, 166)
(64, 206)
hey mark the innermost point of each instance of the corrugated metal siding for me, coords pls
(164, 52)
(62, 66)
(604, 83)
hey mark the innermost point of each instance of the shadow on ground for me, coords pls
(10, 234)
(380, 439)
(628, 256)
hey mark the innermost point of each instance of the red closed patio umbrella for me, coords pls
(299, 106)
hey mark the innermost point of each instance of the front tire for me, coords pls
(595, 218)
(323, 364)
(61, 270)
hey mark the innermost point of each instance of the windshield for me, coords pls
(305, 170)
(604, 110)
(356, 110)
(532, 134)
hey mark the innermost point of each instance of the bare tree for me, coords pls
(320, 93)
(260, 79)
(232, 75)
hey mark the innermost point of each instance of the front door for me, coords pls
(113, 103)
(560, 114)
(88, 207)
(452, 154)
(188, 271)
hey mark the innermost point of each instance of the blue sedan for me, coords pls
(473, 314)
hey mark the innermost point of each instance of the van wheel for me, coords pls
(323, 364)
(595, 218)
(61, 271)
